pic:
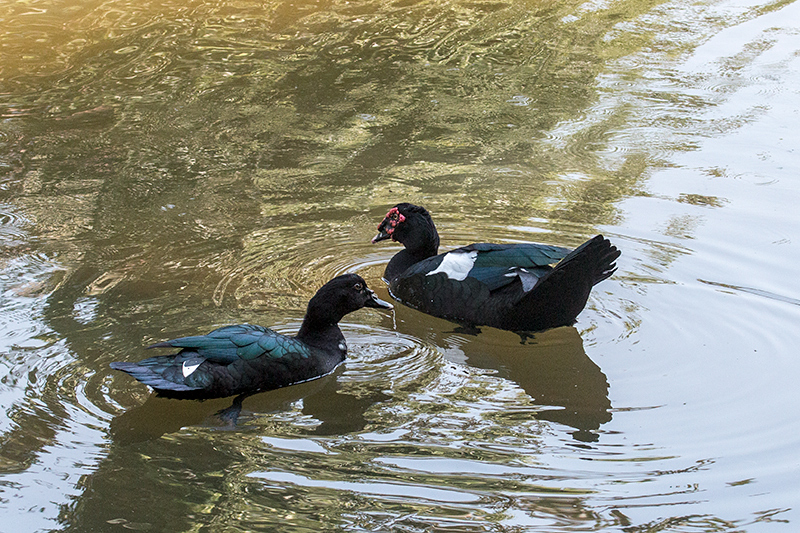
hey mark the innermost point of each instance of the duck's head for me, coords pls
(410, 225)
(342, 295)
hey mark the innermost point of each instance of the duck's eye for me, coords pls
(358, 287)
(395, 216)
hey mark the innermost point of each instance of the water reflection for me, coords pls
(342, 445)
(330, 410)
(552, 367)
(555, 371)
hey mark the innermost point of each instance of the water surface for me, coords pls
(169, 167)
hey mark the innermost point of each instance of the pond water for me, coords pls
(169, 167)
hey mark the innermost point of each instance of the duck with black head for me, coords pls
(517, 287)
(245, 359)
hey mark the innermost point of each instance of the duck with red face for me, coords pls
(518, 287)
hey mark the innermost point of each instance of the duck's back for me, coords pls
(475, 284)
(508, 286)
(232, 360)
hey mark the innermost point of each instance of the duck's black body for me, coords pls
(245, 359)
(507, 286)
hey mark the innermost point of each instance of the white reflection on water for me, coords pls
(35, 485)
(393, 490)
(713, 355)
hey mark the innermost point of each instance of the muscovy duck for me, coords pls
(507, 286)
(245, 359)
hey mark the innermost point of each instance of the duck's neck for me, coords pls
(322, 333)
(402, 261)
(419, 245)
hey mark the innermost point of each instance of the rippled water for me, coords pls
(169, 167)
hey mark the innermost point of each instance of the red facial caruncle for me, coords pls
(392, 219)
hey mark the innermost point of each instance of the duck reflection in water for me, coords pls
(325, 400)
(551, 366)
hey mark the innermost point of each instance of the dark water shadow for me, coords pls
(325, 400)
(148, 457)
(552, 367)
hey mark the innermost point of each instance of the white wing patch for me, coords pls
(528, 280)
(456, 265)
(188, 369)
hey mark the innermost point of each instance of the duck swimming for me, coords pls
(245, 359)
(517, 287)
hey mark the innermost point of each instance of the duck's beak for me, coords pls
(376, 302)
(382, 236)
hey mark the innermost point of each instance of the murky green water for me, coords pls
(168, 167)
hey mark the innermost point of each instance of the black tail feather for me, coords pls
(148, 377)
(561, 295)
